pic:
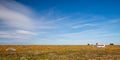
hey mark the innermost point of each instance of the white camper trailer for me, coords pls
(101, 45)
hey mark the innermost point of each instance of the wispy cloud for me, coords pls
(84, 25)
(25, 32)
(20, 22)
(11, 35)
(18, 34)
(88, 36)
(57, 20)
(15, 19)
(19, 19)
(87, 33)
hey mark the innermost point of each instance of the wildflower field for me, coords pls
(59, 52)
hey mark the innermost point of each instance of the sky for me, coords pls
(59, 22)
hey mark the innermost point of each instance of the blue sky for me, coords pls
(59, 22)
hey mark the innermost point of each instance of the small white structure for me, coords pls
(10, 49)
(101, 45)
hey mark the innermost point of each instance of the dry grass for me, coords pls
(73, 52)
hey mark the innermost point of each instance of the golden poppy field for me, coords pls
(59, 52)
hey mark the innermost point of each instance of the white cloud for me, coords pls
(25, 32)
(16, 16)
(18, 7)
(10, 34)
(18, 34)
(15, 19)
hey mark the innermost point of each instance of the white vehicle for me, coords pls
(101, 45)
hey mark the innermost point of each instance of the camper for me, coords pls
(101, 45)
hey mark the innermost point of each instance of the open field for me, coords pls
(59, 52)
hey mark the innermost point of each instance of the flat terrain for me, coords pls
(58, 52)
